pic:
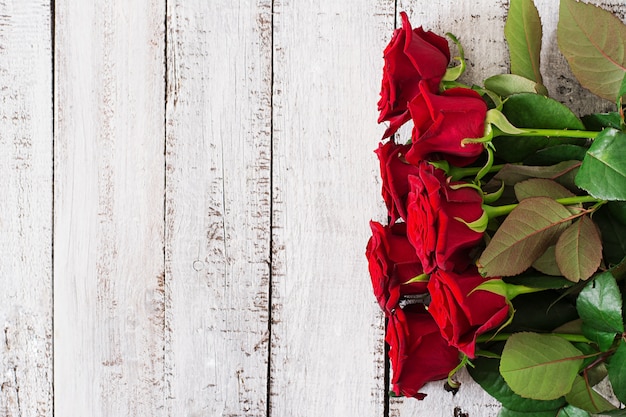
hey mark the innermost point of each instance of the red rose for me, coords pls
(462, 316)
(417, 351)
(441, 122)
(434, 214)
(411, 56)
(392, 262)
(395, 172)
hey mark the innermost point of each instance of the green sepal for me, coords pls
(442, 165)
(495, 196)
(509, 291)
(418, 278)
(452, 74)
(499, 120)
(478, 226)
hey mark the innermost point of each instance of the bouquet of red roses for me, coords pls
(505, 248)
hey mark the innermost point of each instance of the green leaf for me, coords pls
(523, 35)
(563, 173)
(615, 413)
(506, 85)
(525, 234)
(486, 373)
(618, 210)
(590, 351)
(617, 372)
(613, 233)
(539, 366)
(585, 397)
(603, 171)
(598, 121)
(621, 92)
(539, 312)
(556, 154)
(536, 280)
(571, 411)
(546, 263)
(620, 103)
(541, 187)
(596, 374)
(579, 250)
(592, 41)
(599, 304)
(574, 326)
(534, 111)
(452, 74)
(505, 412)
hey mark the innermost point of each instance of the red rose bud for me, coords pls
(411, 56)
(461, 314)
(395, 172)
(441, 122)
(438, 218)
(417, 352)
(392, 264)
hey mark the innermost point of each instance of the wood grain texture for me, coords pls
(108, 215)
(218, 206)
(327, 355)
(26, 207)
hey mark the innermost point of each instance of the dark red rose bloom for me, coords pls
(434, 208)
(417, 351)
(392, 262)
(462, 316)
(442, 121)
(411, 56)
(395, 172)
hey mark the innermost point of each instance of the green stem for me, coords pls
(552, 133)
(457, 172)
(451, 382)
(496, 211)
(572, 337)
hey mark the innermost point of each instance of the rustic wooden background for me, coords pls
(186, 190)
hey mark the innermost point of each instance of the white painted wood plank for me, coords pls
(218, 206)
(109, 186)
(327, 355)
(26, 207)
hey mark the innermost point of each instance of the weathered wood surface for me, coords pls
(218, 201)
(108, 208)
(327, 352)
(26, 207)
(200, 251)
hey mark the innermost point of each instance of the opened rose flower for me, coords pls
(395, 171)
(417, 352)
(462, 313)
(392, 263)
(442, 121)
(438, 214)
(411, 56)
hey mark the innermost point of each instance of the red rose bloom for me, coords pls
(441, 122)
(411, 56)
(462, 316)
(417, 351)
(434, 214)
(395, 172)
(392, 262)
